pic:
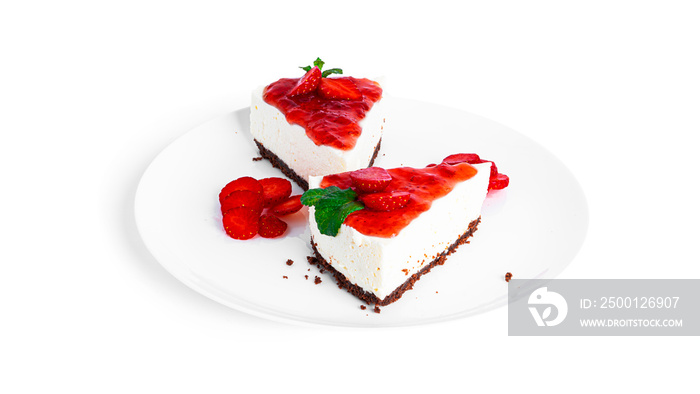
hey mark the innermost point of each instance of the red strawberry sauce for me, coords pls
(327, 122)
(425, 186)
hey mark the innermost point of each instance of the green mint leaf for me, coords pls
(331, 71)
(333, 205)
(331, 195)
(317, 63)
(311, 196)
(330, 219)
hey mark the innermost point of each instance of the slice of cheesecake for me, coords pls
(395, 232)
(317, 124)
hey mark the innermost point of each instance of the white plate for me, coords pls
(533, 229)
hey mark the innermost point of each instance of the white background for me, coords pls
(90, 92)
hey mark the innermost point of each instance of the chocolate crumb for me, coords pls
(317, 280)
(509, 276)
(306, 276)
(363, 307)
(312, 260)
(290, 262)
(257, 158)
(285, 277)
(377, 310)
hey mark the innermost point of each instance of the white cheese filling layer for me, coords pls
(380, 265)
(291, 144)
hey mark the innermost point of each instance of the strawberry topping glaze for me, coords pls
(424, 186)
(327, 121)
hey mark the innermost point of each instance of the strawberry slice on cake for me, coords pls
(318, 124)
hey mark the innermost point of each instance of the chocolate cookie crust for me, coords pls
(370, 298)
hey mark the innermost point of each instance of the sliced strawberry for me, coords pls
(241, 222)
(288, 206)
(339, 89)
(243, 183)
(308, 83)
(500, 181)
(471, 158)
(373, 179)
(386, 201)
(270, 226)
(243, 198)
(275, 190)
(494, 169)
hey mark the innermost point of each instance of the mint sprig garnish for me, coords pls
(333, 205)
(331, 71)
(319, 63)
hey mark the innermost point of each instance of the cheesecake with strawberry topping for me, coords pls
(378, 231)
(318, 124)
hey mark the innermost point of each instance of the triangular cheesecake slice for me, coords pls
(318, 124)
(397, 224)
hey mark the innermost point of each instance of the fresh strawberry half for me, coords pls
(243, 183)
(289, 206)
(338, 89)
(270, 226)
(241, 222)
(243, 198)
(275, 190)
(370, 180)
(386, 201)
(500, 181)
(308, 83)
